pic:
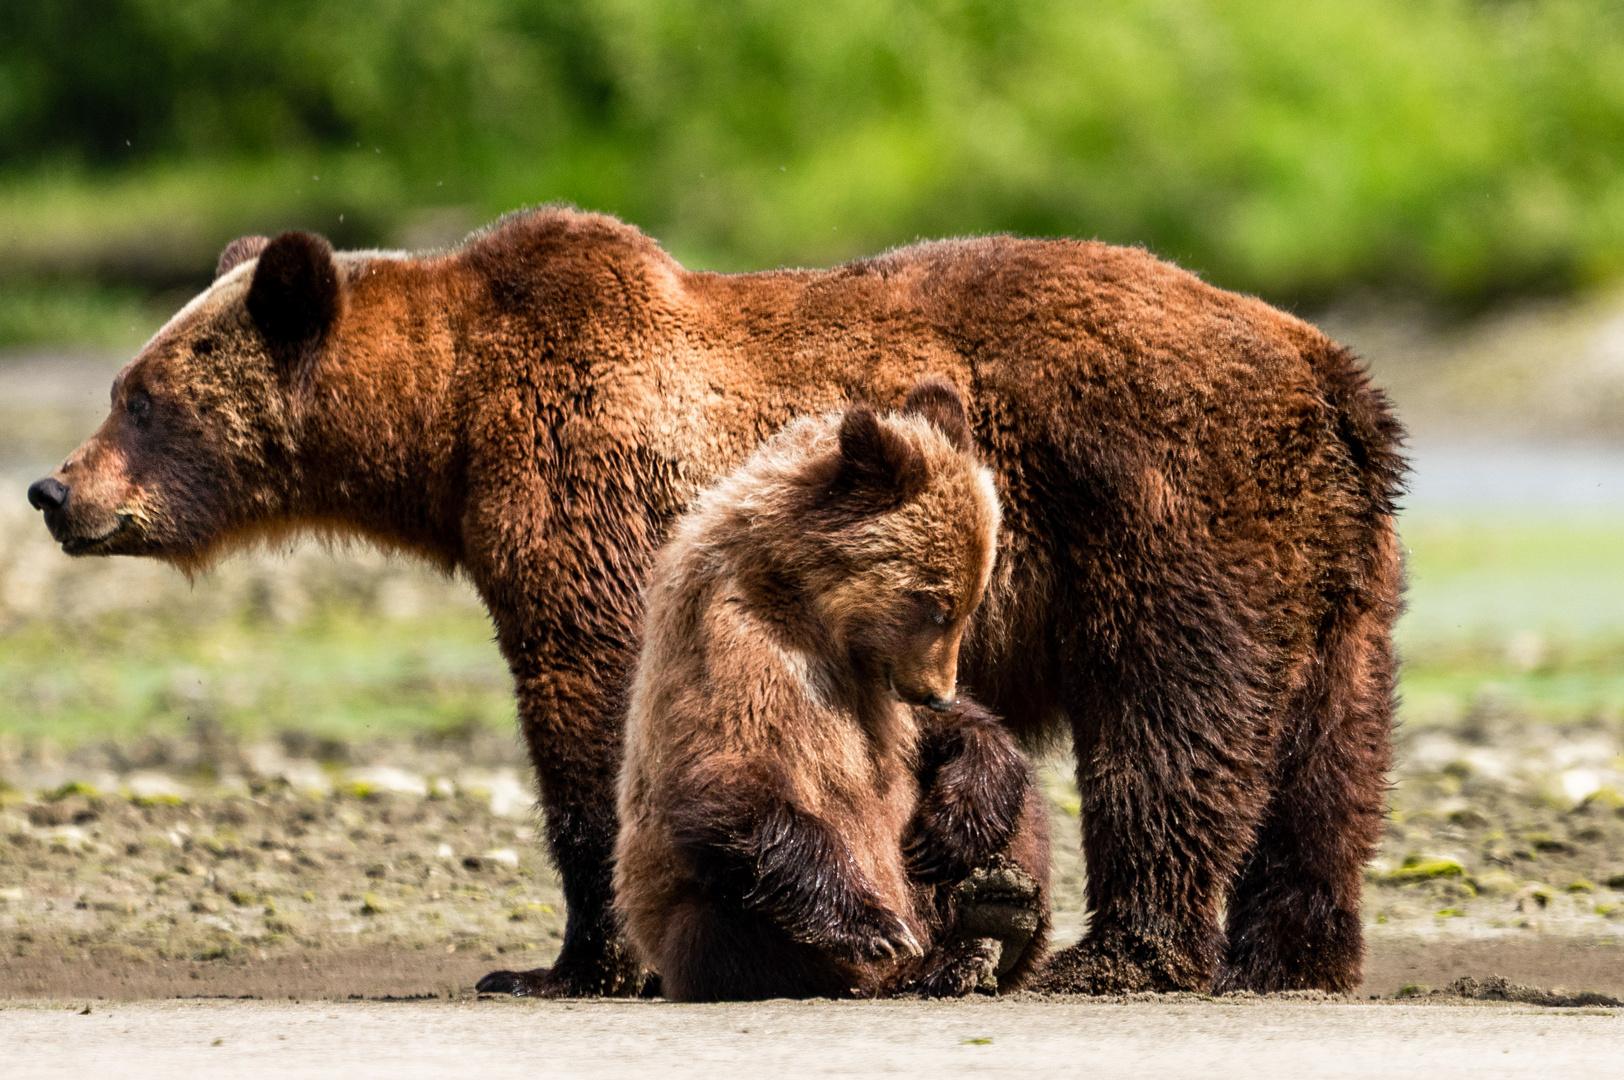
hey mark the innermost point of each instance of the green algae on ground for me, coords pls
(1418, 868)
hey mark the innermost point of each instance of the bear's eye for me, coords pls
(936, 612)
(203, 347)
(139, 406)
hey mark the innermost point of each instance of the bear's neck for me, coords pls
(382, 429)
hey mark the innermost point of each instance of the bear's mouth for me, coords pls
(91, 545)
(891, 685)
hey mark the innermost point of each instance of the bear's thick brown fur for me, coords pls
(797, 683)
(1197, 576)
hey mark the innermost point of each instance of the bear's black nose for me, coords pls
(938, 703)
(47, 494)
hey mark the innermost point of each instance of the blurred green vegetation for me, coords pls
(1459, 149)
(80, 313)
(1519, 612)
(344, 673)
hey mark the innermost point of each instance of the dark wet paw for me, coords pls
(619, 981)
(1000, 901)
(514, 983)
(1082, 970)
(1120, 964)
(1000, 881)
(502, 982)
(969, 967)
(876, 934)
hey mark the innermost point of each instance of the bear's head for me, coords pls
(902, 525)
(200, 446)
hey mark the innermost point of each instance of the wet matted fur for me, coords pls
(1197, 575)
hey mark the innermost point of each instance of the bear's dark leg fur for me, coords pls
(1029, 851)
(994, 923)
(1173, 744)
(780, 883)
(1294, 909)
(981, 837)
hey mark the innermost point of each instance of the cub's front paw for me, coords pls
(999, 900)
(965, 967)
(874, 933)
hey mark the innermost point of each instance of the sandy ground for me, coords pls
(1031, 1038)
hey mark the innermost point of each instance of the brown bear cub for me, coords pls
(806, 808)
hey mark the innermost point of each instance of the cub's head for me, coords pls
(902, 530)
(199, 446)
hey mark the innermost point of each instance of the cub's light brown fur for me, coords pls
(799, 621)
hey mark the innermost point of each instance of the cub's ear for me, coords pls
(294, 297)
(935, 399)
(238, 252)
(875, 462)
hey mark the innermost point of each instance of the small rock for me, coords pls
(1533, 897)
(508, 797)
(154, 789)
(506, 856)
(385, 779)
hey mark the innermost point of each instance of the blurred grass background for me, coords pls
(1460, 149)
(1441, 182)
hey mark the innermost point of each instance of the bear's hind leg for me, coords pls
(1294, 920)
(714, 955)
(995, 921)
(1172, 750)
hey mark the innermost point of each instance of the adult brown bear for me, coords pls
(1198, 569)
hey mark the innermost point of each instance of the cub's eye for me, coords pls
(203, 347)
(139, 406)
(935, 611)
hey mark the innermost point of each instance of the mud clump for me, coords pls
(1498, 988)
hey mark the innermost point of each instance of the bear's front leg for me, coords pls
(575, 743)
(779, 907)
(973, 786)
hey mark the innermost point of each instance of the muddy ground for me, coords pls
(321, 870)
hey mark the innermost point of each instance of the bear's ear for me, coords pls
(936, 400)
(876, 463)
(238, 252)
(294, 297)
